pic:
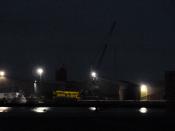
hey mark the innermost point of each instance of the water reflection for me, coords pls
(40, 109)
(4, 109)
(92, 108)
(143, 110)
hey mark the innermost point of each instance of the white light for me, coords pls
(93, 74)
(40, 71)
(92, 108)
(41, 109)
(2, 73)
(143, 110)
(4, 109)
(35, 86)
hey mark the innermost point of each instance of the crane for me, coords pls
(97, 65)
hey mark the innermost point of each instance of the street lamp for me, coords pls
(40, 72)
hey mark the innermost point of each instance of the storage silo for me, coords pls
(128, 90)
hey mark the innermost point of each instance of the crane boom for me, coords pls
(105, 46)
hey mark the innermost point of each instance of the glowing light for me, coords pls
(143, 88)
(40, 71)
(93, 74)
(143, 110)
(2, 73)
(35, 84)
(92, 108)
(144, 92)
(41, 109)
(4, 109)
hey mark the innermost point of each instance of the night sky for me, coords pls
(71, 32)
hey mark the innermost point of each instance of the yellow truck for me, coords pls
(67, 94)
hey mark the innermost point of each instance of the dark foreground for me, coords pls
(87, 118)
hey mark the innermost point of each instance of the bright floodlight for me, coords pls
(93, 74)
(40, 71)
(143, 88)
(144, 92)
(143, 110)
(2, 73)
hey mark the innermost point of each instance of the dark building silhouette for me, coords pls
(61, 74)
(100, 89)
(16, 85)
(119, 90)
(128, 90)
(170, 85)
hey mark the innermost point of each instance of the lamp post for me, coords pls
(37, 84)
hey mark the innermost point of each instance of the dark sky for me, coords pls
(52, 32)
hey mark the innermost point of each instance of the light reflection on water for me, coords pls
(4, 109)
(41, 109)
(92, 108)
(143, 110)
(87, 110)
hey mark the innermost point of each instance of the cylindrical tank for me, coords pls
(128, 91)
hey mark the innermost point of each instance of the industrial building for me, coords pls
(90, 89)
